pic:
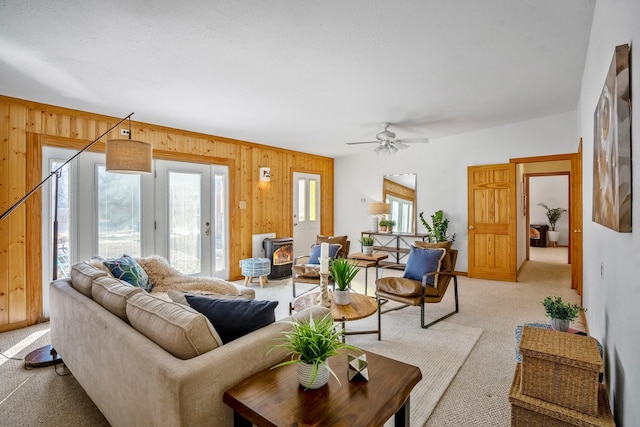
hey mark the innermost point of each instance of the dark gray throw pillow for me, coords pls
(234, 318)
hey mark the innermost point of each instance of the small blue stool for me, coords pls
(255, 267)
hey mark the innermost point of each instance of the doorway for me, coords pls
(552, 190)
(306, 211)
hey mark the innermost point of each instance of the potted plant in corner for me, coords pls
(367, 245)
(343, 272)
(437, 230)
(553, 215)
(386, 225)
(310, 343)
(561, 313)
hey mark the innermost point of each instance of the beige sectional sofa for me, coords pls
(173, 373)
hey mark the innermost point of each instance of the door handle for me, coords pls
(577, 230)
(471, 227)
(208, 230)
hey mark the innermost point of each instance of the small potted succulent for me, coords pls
(367, 245)
(386, 225)
(343, 272)
(310, 343)
(561, 313)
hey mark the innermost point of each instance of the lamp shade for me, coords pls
(387, 208)
(128, 156)
(376, 208)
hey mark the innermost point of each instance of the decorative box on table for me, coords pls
(561, 368)
(527, 411)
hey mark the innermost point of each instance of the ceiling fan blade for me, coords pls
(413, 140)
(363, 142)
(400, 144)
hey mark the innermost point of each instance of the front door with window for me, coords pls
(306, 211)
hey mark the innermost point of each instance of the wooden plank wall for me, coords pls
(26, 126)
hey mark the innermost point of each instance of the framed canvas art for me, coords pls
(612, 147)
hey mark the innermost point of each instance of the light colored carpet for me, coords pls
(439, 352)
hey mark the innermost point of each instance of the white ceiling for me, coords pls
(301, 74)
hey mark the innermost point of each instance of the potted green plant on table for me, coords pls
(343, 272)
(386, 225)
(367, 245)
(553, 215)
(437, 230)
(561, 313)
(310, 343)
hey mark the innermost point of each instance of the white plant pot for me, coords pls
(305, 373)
(367, 250)
(342, 297)
(553, 235)
(560, 325)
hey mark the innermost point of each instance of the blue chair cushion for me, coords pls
(422, 261)
(314, 257)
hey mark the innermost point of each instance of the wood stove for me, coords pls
(280, 252)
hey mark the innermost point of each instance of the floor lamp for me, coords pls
(123, 156)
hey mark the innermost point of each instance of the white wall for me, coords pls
(613, 301)
(441, 168)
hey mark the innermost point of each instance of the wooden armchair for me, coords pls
(308, 272)
(413, 292)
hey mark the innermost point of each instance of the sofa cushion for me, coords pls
(233, 319)
(314, 256)
(422, 261)
(178, 329)
(127, 269)
(113, 294)
(82, 276)
(180, 297)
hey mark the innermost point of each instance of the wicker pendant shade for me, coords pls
(128, 156)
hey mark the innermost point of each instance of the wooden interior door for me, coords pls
(575, 220)
(492, 221)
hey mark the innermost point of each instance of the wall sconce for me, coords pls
(265, 174)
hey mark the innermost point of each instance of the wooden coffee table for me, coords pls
(273, 397)
(361, 306)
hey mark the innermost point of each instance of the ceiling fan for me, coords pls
(388, 143)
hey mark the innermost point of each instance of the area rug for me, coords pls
(438, 351)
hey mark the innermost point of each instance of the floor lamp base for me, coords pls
(44, 356)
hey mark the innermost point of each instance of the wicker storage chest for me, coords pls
(527, 411)
(561, 368)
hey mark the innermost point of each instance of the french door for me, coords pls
(191, 217)
(179, 212)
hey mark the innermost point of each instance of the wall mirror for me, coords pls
(399, 190)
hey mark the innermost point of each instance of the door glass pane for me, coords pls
(184, 222)
(219, 209)
(313, 197)
(64, 217)
(302, 201)
(118, 209)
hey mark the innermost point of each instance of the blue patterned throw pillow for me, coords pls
(422, 261)
(128, 270)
